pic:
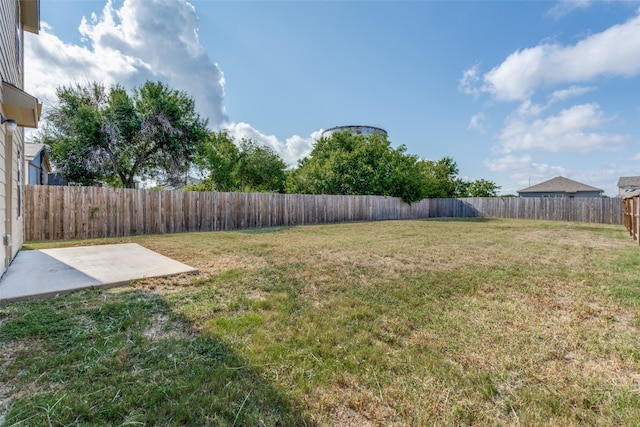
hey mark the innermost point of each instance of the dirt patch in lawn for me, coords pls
(162, 327)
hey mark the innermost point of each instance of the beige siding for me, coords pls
(3, 201)
(7, 70)
(7, 51)
(12, 71)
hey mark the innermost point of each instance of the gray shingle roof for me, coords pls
(631, 181)
(559, 184)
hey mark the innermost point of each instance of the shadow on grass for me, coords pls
(123, 358)
(478, 219)
(264, 230)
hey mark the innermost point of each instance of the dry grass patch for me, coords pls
(161, 327)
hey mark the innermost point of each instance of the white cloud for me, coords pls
(290, 151)
(517, 76)
(509, 163)
(565, 7)
(469, 82)
(573, 90)
(523, 166)
(53, 63)
(543, 171)
(142, 40)
(613, 52)
(529, 109)
(572, 129)
(558, 73)
(477, 123)
(523, 170)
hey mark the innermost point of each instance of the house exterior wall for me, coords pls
(11, 146)
(33, 171)
(36, 171)
(628, 184)
(561, 194)
(11, 36)
(542, 194)
(623, 191)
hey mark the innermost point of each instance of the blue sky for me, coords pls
(515, 92)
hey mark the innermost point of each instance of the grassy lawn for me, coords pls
(438, 322)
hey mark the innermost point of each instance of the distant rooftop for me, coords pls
(559, 184)
(31, 150)
(629, 181)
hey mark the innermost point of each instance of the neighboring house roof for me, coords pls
(31, 150)
(560, 184)
(629, 181)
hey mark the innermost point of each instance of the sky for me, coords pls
(516, 92)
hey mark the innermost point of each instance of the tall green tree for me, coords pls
(358, 165)
(260, 168)
(239, 166)
(97, 133)
(218, 159)
(443, 181)
(481, 188)
(441, 178)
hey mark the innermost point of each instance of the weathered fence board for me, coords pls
(631, 214)
(53, 213)
(598, 210)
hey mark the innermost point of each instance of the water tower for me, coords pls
(355, 130)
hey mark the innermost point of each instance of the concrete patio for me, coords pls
(51, 272)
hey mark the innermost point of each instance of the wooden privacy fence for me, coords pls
(55, 213)
(631, 214)
(580, 209)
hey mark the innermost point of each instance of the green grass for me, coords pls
(440, 322)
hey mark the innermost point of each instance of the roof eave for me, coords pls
(30, 15)
(20, 106)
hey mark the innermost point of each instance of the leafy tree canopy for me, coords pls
(358, 165)
(481, 188)
(97, 133)
(443, 181)
(441, 178)
(239, 166)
